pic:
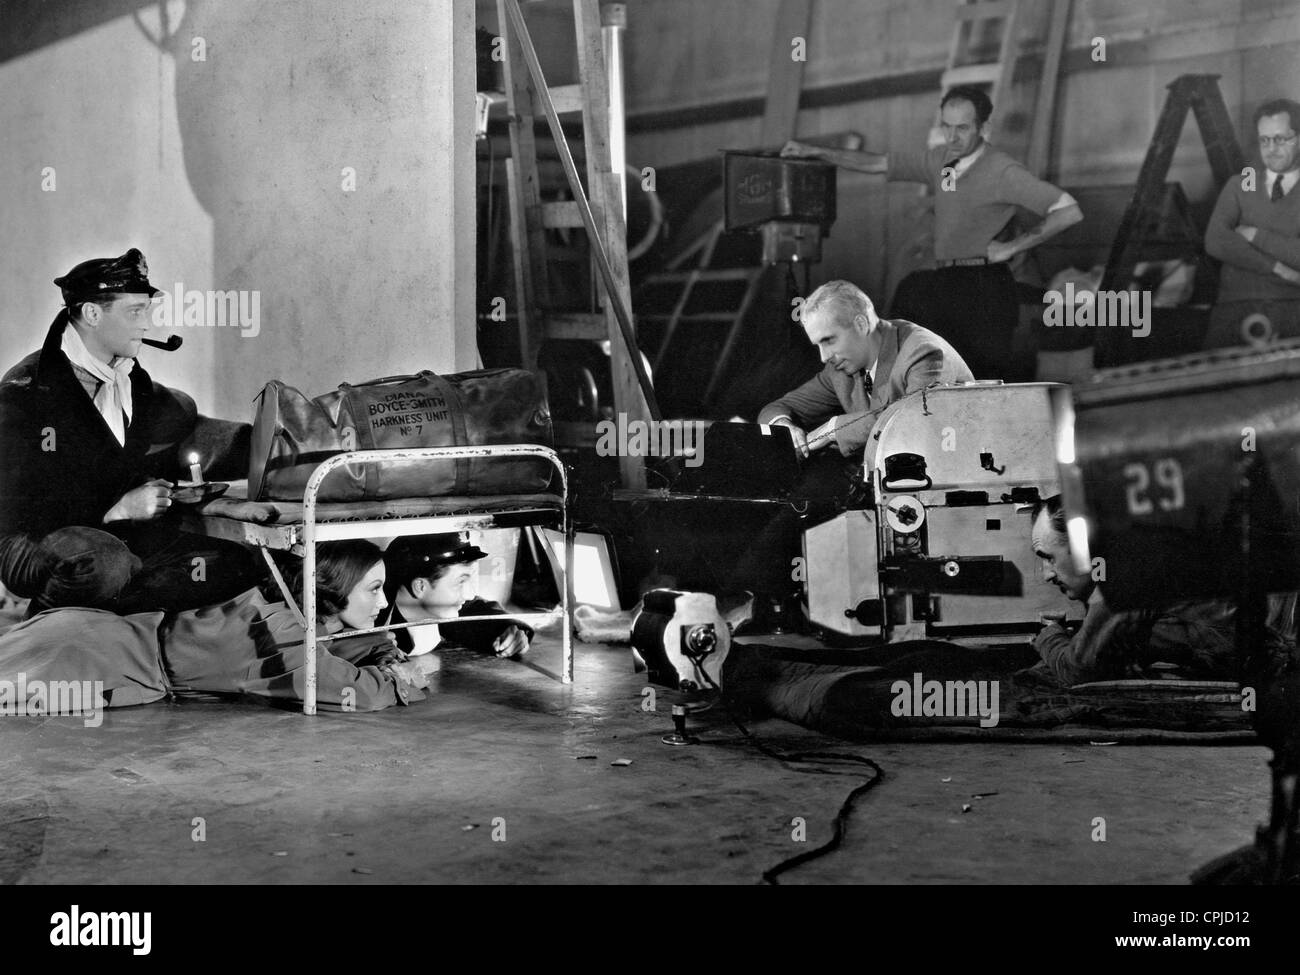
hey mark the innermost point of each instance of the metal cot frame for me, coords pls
(314, 531)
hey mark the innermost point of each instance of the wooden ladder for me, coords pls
(675, 276)
(1199, 94)
(598, 209)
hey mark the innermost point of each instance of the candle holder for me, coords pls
(185, 493)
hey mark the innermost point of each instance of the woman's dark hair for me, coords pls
(340, 565)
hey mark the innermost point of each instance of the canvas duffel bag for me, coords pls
(292, 435)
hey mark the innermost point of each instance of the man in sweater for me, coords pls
(970, 298)
(868, 363)
(1255, 231)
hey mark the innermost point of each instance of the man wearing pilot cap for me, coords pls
(426, 576)
(89, 441)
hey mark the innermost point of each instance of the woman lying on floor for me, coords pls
(251, 644)
(254, 644)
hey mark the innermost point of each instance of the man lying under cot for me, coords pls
(428, 576)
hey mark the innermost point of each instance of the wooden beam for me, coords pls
(1040, 137)
(628, 373)
(527, 240)
(984, 10)
(577, 325)
(568, 99)
(1138, 52)
(561, 213)
(785, 82)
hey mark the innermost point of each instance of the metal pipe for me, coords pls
(309, 583)
(613, 22)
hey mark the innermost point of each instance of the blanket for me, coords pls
(930, 690)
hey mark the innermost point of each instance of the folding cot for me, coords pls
(298, 527)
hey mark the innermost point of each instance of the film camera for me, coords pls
(790, 202)
(943, 549)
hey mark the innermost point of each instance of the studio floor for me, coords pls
(505, 776)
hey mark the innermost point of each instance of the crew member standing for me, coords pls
(970, 298)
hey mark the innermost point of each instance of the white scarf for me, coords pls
(113, 398)
(425, 639)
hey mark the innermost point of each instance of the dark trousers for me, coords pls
(160, 568)
(767, 567)
(974, 308)
(183, 571)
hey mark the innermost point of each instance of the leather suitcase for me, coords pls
(292, 435)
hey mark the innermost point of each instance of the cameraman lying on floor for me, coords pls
(1199, 638)
(851, 701)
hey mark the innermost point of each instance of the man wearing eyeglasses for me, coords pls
(1255, 232)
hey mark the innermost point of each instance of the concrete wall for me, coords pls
(229, 174)
(682, 53)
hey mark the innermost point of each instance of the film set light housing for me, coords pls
(1184, 476)
(791, 202)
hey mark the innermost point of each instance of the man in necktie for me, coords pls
(89, 460)
(968, 295)
(1255, 231)
(868, 362)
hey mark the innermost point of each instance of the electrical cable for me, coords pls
(840, 826)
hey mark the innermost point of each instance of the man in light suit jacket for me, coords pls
(869, 362)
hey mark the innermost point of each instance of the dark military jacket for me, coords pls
(60, 464)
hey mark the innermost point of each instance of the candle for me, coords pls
(196, 472)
